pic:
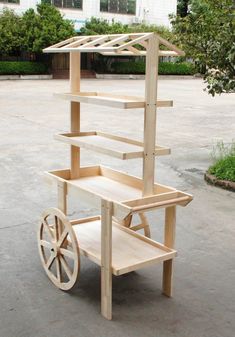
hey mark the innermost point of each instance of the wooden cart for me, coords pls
(110, 240)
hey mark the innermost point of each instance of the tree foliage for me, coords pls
(207, 34)
(101, 26)
(34, 30)
(10, 28)
(44, 27)
(182, 7)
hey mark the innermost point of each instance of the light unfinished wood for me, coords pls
(169, 241)
(111, 240)
(115, 146)
(106, 258)
(99, 182)
(75, 111)
(112, 100)
(117, 44)
(140, 53)
(150, 115)
(130, 250)
(52, 250)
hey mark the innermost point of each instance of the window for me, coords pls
(77, 4)
(10, 1)
(118, 6)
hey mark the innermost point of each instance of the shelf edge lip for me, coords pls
(94, 98)
(123, 155)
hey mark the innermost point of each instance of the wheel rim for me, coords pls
(58, 249)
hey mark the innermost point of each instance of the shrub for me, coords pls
(22, 68)
(165, 68)
(224, 162)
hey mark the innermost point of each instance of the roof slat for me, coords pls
(113, 44)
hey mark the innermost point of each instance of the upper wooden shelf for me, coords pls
(112, 100)
(134, 44)
(130, 250)
(99, 182)
(115, 146)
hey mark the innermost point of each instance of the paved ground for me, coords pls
(204, 300)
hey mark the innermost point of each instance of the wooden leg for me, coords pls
(106, 259)
(62, 203)
(169, 241)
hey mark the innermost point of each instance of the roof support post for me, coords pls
(151, 77)
(75, 111)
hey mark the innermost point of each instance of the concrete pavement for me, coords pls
(204, 294)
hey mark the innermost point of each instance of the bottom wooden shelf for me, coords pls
(130, 250)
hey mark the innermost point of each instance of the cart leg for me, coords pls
(62, 205)
(106, 259)
(169, 241)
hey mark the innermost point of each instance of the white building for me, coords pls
(125, 11)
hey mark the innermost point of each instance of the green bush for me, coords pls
(165, 68)
(224, 166)
(22, 68)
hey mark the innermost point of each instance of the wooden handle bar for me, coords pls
(161, 203)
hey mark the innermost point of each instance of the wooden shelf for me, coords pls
(130, 251)
(112, 100)
(99, 182)
(108, 144)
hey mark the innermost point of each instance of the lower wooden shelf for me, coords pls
(115, 146)
(130, 250)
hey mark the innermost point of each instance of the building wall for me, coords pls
(149, 11)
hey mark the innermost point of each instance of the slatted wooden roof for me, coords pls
(116, 44)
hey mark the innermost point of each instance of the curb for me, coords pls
(225, 184)
(25, 77)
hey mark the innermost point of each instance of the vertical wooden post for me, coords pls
(62, 196)
(75, 111)
(106, 258)
(151, 77)
(169, 241)
(62, 205)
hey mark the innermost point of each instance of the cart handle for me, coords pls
(160, 204)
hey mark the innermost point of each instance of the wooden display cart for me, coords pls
(110, 240)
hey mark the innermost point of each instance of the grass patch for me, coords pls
(22, 68)
(224, 162)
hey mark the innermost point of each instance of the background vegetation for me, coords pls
(22, 68)
(205, 29)
(224, 162)
(207, 34)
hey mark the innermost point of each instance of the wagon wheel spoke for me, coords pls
(47, 226)
(65, 267)
(63, 237)
(56, 228)
(67, 253)
(58, 269)
(50, 261)
(45, 244)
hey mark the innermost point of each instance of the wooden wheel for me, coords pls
(60, 260)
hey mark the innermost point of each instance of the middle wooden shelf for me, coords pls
(110, 99)
(115, 146)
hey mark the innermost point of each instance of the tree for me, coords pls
(10, 28)
(182, 7)
(44, 27)
(100, 26)
(207, 34)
